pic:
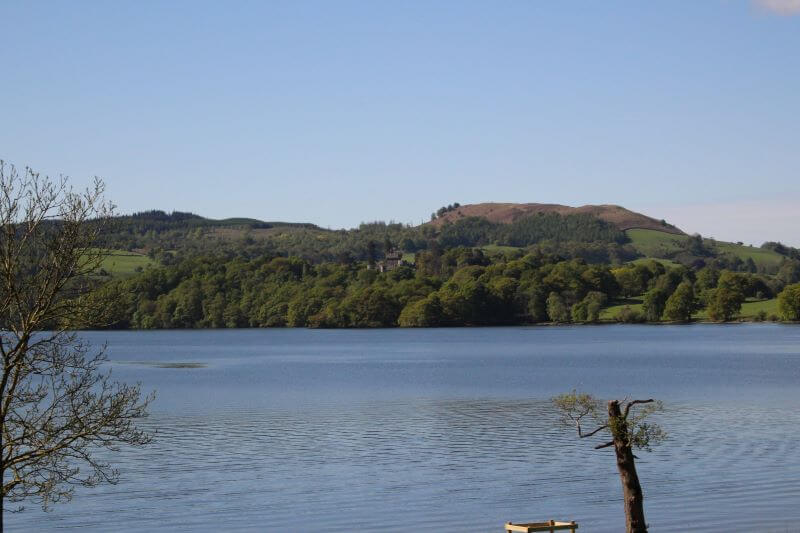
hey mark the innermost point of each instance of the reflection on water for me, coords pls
(322, 453)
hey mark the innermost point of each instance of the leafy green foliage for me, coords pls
(557, 308)
(588, 309)
(477, 231)
(632, 279)
(444, 210)
(544, 267)
(468, 288)
(641, 434)
(630, 428)
(681, 304)
(724, 303)
(455, 287)
(655, 301)
(789, 272)
(696, 251)
(575, 408)
(629, 315)
(789, 302)
(782, 249)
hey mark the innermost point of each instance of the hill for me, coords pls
(594, 233)
(685, 249)
(507, 213)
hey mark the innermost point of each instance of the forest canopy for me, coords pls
(544, 267)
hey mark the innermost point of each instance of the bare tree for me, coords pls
(58, 406)
(628, 430)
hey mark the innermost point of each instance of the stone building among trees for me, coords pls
(393, 259)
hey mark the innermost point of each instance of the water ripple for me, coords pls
(250, 460)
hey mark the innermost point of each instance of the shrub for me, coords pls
(626, 315)
(789, 302)
(724, 304)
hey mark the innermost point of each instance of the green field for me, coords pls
(666, 262)
(610, 312)
(761, 257)
(653, 243)
(499, 248)
(122, 264)
(749, 310)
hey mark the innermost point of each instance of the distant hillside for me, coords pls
(595, 233)
(159, 221)
(507, 213)
(688, 250)
(160, 231)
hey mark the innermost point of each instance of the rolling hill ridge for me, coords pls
(506, 213)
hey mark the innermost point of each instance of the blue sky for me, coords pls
(342, 112)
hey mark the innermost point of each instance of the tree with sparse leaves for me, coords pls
(625, 422)
(58, 406)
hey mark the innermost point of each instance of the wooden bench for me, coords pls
(551, 526)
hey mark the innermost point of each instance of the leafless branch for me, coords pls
(585, 435)
(57, 405)
(632, 403)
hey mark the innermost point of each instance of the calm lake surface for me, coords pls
(446, 430)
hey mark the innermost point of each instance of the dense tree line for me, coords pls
(675, 294)
(456, 287)
(444, 210)
(540, 268)
(788, 251)
(468, 288)
(478, 231)
(168, 231)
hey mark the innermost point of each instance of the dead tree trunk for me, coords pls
(631, 489)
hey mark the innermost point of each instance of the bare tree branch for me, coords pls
(632, 403)
(57, 405)
(584, 435)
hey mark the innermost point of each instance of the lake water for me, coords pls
(446, 430)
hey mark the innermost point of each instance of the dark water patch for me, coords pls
(161, 364)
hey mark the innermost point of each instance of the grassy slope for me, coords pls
(655, 243)
(666, 262)
(610, 312)
(123, 264)
(658, 244)
(499, 248)
(749, 309)
(767, 258)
